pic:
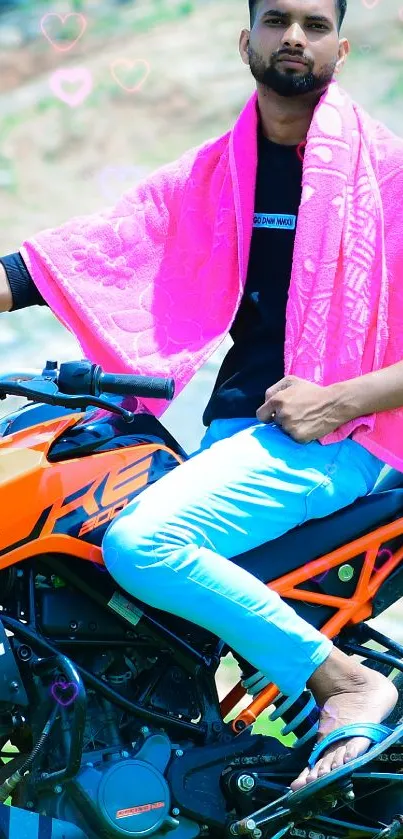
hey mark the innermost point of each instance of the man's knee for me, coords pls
(125, 536)
(133, 539)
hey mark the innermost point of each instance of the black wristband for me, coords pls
(23, 289)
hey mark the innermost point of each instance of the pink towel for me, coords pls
(152, 285)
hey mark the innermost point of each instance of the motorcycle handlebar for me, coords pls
(79, 384)
(126, 384)
(82, 377)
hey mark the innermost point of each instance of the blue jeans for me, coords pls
(248, 483)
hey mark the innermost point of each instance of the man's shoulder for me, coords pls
(388, 149)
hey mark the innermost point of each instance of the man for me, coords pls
(261, 469)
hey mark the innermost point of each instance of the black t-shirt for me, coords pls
(256, 360)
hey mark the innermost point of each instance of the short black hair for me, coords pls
(341, 8)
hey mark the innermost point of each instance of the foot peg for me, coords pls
(294, 807)
(392, 831)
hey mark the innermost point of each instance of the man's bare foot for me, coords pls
(347, 692)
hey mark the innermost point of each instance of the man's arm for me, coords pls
(381, 390)
(17, 288)
(307, 411)
(6, 298)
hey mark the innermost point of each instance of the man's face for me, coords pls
(289, 26)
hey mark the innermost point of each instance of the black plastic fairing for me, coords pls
(101, 431)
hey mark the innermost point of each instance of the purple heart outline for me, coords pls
(99, 567)
(57, 687)
(331, 716)
(317, 578)
(321, 576)
(94, 552)
(382, 551)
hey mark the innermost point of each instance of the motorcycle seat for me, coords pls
(318, 537)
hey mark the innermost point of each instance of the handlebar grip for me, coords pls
(126, 384)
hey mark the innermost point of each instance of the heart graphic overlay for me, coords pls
(319, 577)
(379, 560)
(111, 556)
(78, 76)
(79, 25)
(125, 72)
(100, 567)
(64, 693)
(115, 180)
(300, 150)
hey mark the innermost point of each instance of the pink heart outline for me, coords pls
(63, 19)
(370, 4)
(299, 153)
(129, 64)
(58, 686)
(71, 75)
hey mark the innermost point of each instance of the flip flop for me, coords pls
(372, 731)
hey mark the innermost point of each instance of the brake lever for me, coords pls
(77, 401)
(64, 400)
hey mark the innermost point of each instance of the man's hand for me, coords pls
(304, 410)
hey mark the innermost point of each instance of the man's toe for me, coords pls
(300, 781)
(355, 747)
(338, 758)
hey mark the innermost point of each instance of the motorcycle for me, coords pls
(112, 705)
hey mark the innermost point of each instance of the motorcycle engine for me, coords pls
(127, 797)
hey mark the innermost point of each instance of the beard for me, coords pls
(288, 81)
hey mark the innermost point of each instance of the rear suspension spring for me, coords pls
(300, 711)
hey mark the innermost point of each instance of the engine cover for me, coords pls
(130, 797)
(134, 798)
